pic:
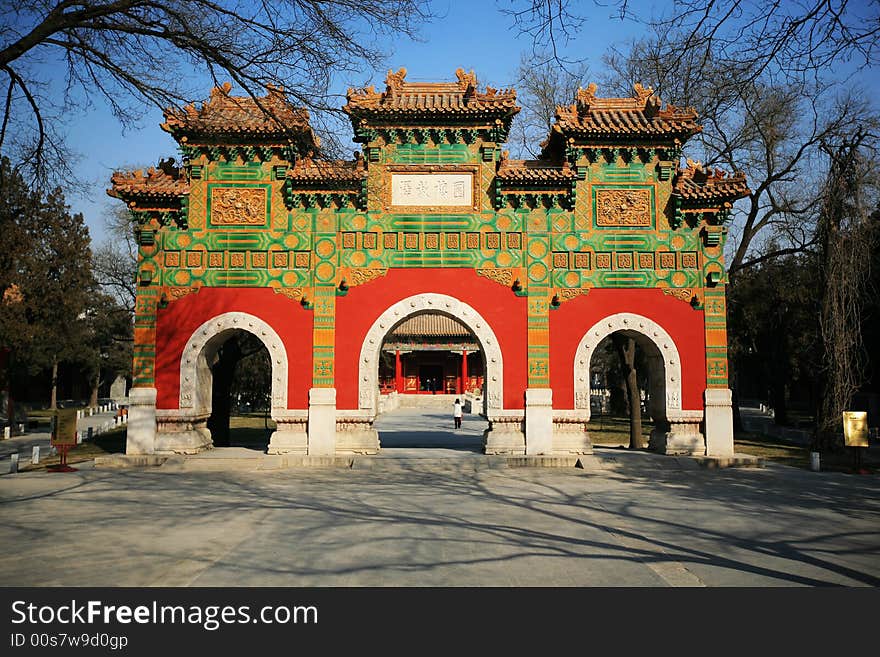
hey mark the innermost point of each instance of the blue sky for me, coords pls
(472, 35)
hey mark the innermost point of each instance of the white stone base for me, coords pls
(539, 421)
(505, 435)
(141, 437)
(184, 442)
(322, 422)
(182, 432)
(719, 422)
(290, 435)
(679, 435)
(355, 433)
(570, 435)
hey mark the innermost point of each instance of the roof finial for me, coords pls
(395, 80)
(585, 97)
(466, 80)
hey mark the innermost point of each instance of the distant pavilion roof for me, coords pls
(429, 325)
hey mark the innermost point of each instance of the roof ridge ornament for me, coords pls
(585, 97)
(467, 80)
(395, 80)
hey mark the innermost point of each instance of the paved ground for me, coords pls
(630, 519)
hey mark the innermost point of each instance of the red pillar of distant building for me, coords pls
(464, 373)
(398, 372)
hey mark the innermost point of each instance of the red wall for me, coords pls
(571, 320)
(356, 312)
(502, 310)
(176, 324)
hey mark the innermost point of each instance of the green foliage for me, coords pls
(51, 310)
(774, 329)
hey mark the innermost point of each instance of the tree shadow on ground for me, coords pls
(331, 527)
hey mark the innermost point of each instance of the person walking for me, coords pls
(456, 413)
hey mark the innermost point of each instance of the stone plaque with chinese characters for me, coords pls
(623, 207)
(432, 189)
(238, 206)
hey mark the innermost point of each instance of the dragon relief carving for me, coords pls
(362, 275)
(175, 293)
(566, 293)
(623, 207)
(238, 206)
(295, 293)
(502, 276)
(682, 294)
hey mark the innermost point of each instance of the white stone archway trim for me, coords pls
(191, 396)
(368, 362)
(639, 324)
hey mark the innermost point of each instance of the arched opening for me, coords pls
(431, 369)
(617, 400)
(234, 363)
(241, 380)
(420, 355)
(658, 372)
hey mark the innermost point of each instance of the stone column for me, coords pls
(719, 422)
(539, 421)
(141, 437)
(322, 422)
(464, 371)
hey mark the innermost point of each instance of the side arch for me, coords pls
(665, 374)
(200, 349)
(368, 361)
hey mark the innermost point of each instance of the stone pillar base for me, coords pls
(291, 433)
(679, 435)
(719, 422)
(182, 432)
(570, 435)
(322, 422)
(355, 433)
(539, 421)
(505, 435)
(141, 436)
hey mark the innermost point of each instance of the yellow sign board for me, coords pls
(855, 428)
(64, 427)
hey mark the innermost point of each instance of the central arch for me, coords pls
(368, 362)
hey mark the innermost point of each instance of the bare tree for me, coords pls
(114, 262)
(790, 40)
(137, 53)
(772, 132)
(847, 237)
(541, 85)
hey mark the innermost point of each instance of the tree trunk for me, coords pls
(626, 349)
(93, 397)
(222, 373)
(53, 399)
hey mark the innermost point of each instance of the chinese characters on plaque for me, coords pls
(427, 189)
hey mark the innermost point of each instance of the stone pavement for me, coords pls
(631, 519)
